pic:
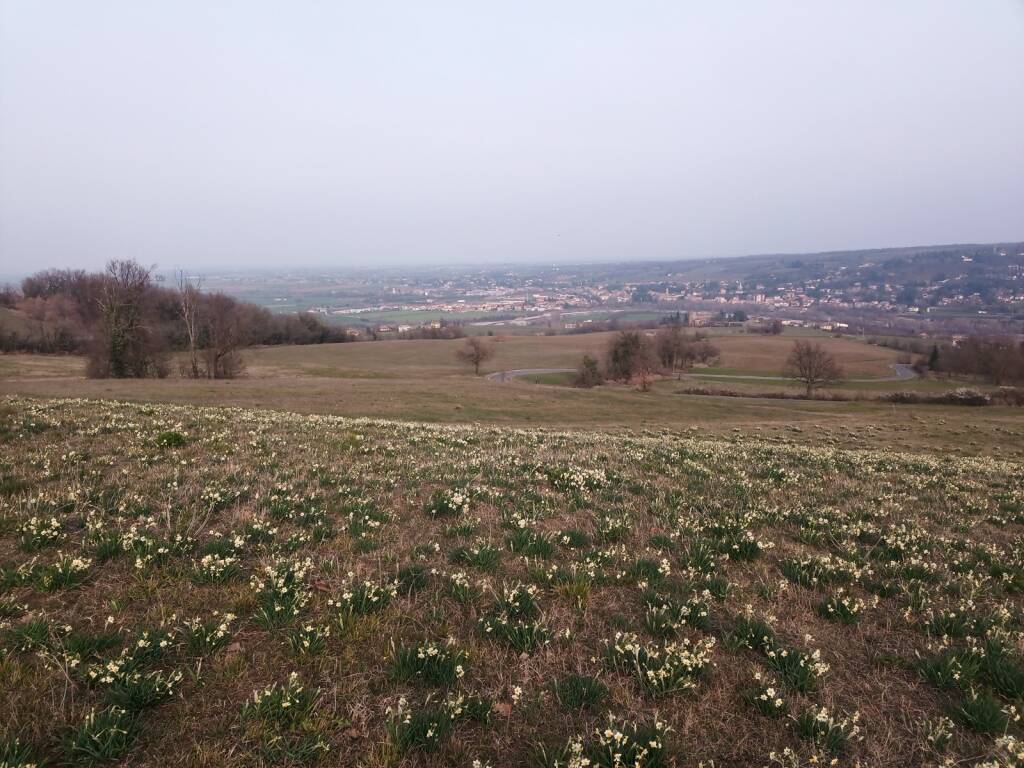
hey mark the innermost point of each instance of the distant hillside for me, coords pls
(894, 263)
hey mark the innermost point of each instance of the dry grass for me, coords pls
(430, 358)
(138, 475)
(421, 381)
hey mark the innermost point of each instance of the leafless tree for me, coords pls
(475, 352)
(677, 351)
(189, 298)
(223, 336)
(812, 365)
(125, 345)
(670, 342)
(997, 359)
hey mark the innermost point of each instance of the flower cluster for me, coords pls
(359, 598)
(281, 590)
(449, 502)
(39, 532)
(665, 668)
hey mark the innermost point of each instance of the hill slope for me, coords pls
(237, 587)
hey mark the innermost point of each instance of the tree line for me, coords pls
(998, 360)
(634, 356)
(129, 326)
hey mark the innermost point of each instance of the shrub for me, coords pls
(171, 439)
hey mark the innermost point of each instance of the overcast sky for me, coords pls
(216, 133)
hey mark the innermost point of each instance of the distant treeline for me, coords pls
(998, 360)
(128, 325)
(995, 359)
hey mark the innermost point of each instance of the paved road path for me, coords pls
(903, 372)
(516, 373)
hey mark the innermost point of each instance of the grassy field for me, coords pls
(741, 353)
(186, 586)
(422, 381)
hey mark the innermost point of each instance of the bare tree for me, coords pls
(812, 365)
(125, 345)
(475, 352)
(677, 351)
(223, 336)
(670, 342)
(188, 297)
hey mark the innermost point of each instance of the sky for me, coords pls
(279, 134)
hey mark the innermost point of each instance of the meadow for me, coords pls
(196, 586)
(423, 381)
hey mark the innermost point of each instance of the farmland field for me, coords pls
(740, 353)
(200, 586)
(422, 381)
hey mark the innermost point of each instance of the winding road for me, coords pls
(903, 372)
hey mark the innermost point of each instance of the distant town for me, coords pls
(940, 290)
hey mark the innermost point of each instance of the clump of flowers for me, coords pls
(843, 608)
(137, 690)
(39, 532)
(613, 526)
(824, 729)
(103, 736)
(939, 732)
(283, 704)
(66, 571)
(821, 569)
(308, 639)
(449, 502)
(514, 619)
(667, 668)
(577, 481)
(617, 745)
(424, 728)
(201, 637)
(211, 569)
(435, 663)
(665, 616)
(281, 591)
(359, 598)
(765, 695)
(462, 588)
(798, 670)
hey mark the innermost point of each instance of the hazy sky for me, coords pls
(359, 133)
